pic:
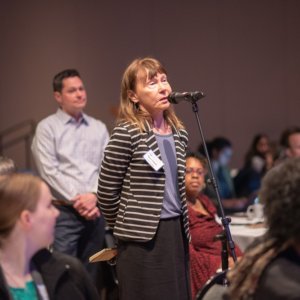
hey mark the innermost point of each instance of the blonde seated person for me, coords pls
(27, 269)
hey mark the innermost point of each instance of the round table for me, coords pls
(244, 231)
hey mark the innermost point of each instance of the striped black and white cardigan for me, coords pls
(130, 191)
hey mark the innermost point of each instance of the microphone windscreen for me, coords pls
(172, 98)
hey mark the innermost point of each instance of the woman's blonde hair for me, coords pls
(18, 192)
(129, 111)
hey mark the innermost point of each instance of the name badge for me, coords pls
(153, 160)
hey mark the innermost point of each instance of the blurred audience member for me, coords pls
(258, 160)
(220, 152)
(205, 251)
(27, 269)
(270, 269)
(7, 166)
(290, 142)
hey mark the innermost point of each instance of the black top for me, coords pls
(64, 277)
(281, 278)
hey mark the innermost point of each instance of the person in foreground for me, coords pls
(27, 269)
(205, 250)
(270, 269)
(141, 188)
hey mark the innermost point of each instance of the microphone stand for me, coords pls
(225, 220)
(224, 253)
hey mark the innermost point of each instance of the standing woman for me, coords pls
(142, 191)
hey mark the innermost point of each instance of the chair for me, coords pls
(214, 288)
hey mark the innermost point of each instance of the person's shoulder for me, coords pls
(288, 260)
(206, 201)
(182, 130)
(70, 271)
(68, 260)
(183, 133)
(127, 127)
(46, 257)
(94, 120)
(47, 122)
(281, 278)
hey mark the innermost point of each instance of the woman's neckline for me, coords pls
(198, 207)
(163, 134)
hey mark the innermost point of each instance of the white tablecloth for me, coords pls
(244, 235)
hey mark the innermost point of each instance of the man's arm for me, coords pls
(45, 151)
(45, 155)
(86, 205)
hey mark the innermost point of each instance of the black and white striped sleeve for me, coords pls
(116, 160)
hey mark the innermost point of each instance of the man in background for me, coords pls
(68, 149)
(290, 142)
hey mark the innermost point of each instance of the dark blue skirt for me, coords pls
(157, 269)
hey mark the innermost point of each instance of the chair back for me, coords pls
(214, 288)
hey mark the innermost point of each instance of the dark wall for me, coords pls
(243, 54)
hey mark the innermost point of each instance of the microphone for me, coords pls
(176, 97)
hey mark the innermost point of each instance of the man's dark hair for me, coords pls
(58, 78)
(284, 139)
(220, 143)
(217, 144)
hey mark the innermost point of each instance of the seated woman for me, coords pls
(270, 268)
(27, 269)
(205, 252)
(258, 160)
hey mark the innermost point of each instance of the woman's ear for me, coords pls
(132, 96)
(25, 219)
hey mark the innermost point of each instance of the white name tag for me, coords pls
(153, 160)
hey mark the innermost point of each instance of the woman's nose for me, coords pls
(162, 86)
(56, 212)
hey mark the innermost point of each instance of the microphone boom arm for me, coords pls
(225, 220)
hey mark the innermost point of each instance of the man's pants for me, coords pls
(79, 237)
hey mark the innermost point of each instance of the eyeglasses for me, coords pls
(199, 172)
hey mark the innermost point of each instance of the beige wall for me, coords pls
(243, 54)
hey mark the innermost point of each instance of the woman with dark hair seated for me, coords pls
(28, 271)
(258, 160)
(270, 269)
(205, 251)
